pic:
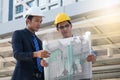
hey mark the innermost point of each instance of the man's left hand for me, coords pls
(91, 58)
(44, 63)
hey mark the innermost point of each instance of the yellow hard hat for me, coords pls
(61, 17)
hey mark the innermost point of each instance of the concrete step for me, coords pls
(105, 60)
(7, 71)
(6, 54)
(7, 59)
(6, 48)
(5, 78)
(7, 62)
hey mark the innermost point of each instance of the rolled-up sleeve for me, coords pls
(93, 52)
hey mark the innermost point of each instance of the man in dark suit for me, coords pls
(27, 48)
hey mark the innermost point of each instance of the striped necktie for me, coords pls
(40, 68)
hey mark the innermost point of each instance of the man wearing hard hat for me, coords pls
(27, 48)
(64, 27)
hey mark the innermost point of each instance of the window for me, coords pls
(10, 15)
(42, 2)
(30, 3)
(19, 9)
(43, 9)
(53, 6)
(52, 1)
(18, 17)
(66, 2)
(80, 0)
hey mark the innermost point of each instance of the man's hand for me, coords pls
(41, 54)
(91, 58)
(44, 63)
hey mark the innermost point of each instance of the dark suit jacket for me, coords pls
(23, 48)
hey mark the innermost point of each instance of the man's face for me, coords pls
(34, 24)
(65, 28)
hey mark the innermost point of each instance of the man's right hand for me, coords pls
(41, 54)
(44, 63)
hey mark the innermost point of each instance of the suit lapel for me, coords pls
(40, 43)
(30, 38)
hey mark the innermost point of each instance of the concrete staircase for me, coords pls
(105, 67)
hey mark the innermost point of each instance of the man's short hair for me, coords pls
(29, 17)
(67, 21)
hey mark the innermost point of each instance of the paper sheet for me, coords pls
(68, 58)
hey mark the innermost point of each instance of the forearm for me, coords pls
(24, 56)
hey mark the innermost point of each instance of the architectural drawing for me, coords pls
(68, 58)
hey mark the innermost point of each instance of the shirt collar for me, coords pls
(29, 32)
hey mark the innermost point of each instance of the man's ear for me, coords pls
(27, 21)
(71, 25)
(57, 29)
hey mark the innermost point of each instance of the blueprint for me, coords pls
(68, 58)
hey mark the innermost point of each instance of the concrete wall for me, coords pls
(1, 11)
(5, 11)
